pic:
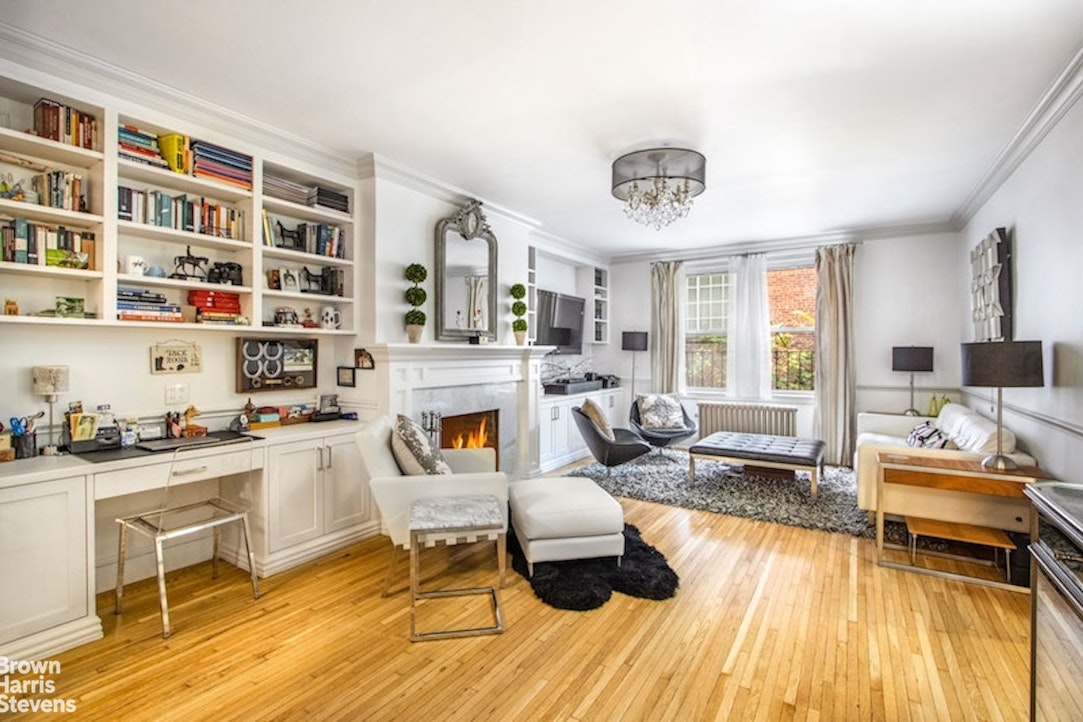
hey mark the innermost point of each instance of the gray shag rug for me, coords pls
(726, 489)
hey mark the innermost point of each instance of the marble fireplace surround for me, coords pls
(462, 378)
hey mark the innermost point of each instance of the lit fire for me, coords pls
(477, 439)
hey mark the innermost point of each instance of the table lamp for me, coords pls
(912, 358)
(48, 382)
(633, 341)
(1002, 364)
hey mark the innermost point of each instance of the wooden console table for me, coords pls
(951, 475)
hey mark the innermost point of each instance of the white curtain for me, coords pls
(667, 327)
(748, 362)
(476, 302)
(834, 415)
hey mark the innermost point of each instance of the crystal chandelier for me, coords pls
(657, 185)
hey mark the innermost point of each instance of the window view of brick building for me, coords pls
(792, 304)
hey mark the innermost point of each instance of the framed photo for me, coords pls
(270, 364)
(274, 282)
(289, 280)
(347, 376)
(362, 359)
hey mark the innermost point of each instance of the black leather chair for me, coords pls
(624, 447)
(661, 438)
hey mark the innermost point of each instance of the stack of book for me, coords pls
(41, 244)
(328, 198)
(61, 189)
(221, 164)
(219, 307)
(285, 190)
(139, 304)
(139, 146)
(65, 124)
(197, 215)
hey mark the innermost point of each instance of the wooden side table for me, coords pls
(952, 475)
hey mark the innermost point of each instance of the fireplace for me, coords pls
(477, 430)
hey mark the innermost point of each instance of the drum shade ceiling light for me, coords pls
(657, 185)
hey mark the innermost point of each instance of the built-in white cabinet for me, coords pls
(559, 440)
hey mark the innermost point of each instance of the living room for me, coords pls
(912, 286)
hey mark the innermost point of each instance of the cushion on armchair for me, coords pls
(595, 413)
(660, 411)
(413, 451)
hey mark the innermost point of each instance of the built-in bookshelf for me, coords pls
(163, 219)
(532, 295)
(601, 305)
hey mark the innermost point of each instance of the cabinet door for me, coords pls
(295, 493)
(43, 556)
(546, 433)
(346, 493)
(573, 438)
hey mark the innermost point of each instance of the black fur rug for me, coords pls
(582, 584)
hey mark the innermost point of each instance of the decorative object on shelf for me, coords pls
(327, 408)
(135, 265)
(1000, 364)
(633, 341)
(934, 406)
(50, 381)
(70, 307)
(274, 279)
(11, 307)
(276, 364)
(330, 318)
(327, 282)
(226, 273)
(189, 266)
(912, 359)
(286, 316)
(415, 296)
(347, 376)
(362, 359)
(308, 321)
(991, 287)
(293, 239)
(466, 263)
(176, 357)
(191, 428)
(657, 185)
(289, 280)
(518, 309)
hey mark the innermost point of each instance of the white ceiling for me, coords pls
(815, 116)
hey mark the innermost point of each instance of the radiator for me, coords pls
(747, 418)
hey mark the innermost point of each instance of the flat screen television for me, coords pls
(560, 321)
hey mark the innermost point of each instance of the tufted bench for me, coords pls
(776, 452)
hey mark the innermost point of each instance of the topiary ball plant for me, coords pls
(518, 324)
(518, 291)
(415, 317)
(416, 273)
(415, 295)
(518, 309)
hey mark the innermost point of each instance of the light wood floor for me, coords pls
(770, 622)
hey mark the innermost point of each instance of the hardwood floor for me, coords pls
(770, 622)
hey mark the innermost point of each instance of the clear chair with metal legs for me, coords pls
(166, 523)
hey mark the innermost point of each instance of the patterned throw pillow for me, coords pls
(413, 451)
(927, 436)
(660, 411)
(594, 412)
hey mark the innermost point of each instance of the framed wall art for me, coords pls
(272, 364)
(347, 376)
(991, 287)
(362, 359)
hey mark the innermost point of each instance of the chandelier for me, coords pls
(657, 185)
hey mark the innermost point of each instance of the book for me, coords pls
(174, 148)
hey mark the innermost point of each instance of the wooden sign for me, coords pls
(176, 357)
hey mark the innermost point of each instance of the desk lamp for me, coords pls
(48, 382)
(633, 341)
(1002, 364)
(912, 358)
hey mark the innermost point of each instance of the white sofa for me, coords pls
(974, 434)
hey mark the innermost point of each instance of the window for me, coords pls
(792, 303)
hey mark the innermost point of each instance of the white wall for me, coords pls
(1040, 204)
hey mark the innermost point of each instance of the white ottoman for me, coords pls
(565, 518)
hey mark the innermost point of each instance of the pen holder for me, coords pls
(25, 445)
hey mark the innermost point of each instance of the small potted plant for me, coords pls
(518, 309)
(415, 296)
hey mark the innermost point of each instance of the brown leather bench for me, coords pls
(766, 450)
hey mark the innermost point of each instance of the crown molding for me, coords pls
(1051, 107)
(550, 245)
(77, 71)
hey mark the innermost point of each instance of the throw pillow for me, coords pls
(660, 411)
(594, 412)
(413, 451)
(925, 435)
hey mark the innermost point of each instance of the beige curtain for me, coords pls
(834, 415)
(667, 328)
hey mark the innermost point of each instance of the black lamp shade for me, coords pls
(633, 341)
(1003, 364)
(912, 358)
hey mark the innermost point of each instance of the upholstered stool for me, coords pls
(565, 518)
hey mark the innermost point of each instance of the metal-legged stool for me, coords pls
(167, 523)
(477, 515)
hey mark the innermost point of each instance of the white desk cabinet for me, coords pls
(559, 440)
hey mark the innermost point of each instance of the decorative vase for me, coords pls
(413, 332)
(520, 338)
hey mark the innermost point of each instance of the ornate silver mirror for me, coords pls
(465, 275)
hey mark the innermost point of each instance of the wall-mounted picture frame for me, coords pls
(362, 359)
(276, 364)
(176, 357)
(347, 376)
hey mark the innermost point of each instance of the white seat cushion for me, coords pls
(563, 507)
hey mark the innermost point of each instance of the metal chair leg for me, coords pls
(122, 550)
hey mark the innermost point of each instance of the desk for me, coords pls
(951, 475)
(58, 537)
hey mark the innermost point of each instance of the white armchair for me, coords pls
(394, 493)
